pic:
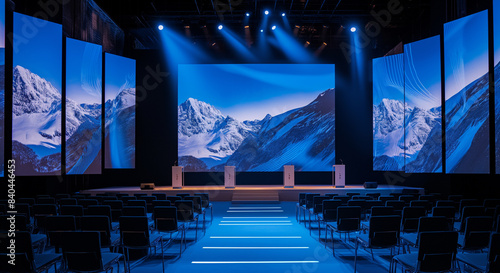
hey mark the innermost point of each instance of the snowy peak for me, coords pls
(197, 117)
(31, 93)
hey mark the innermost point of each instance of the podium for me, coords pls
(229, 176)
(338, 176)
(289, 176)
(177, 177)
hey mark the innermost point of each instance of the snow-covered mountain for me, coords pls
(205, 133)
(497, 116)
(392, 119)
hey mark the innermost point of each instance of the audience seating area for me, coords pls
(83, 233)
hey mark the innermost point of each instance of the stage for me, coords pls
(257, 193)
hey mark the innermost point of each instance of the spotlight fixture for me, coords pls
(273, 27)
(220, 27)
(325, 44)
(247, 14)
(266, 12)
(160, 27)
(283, 14)
(247, 26)
(261, 30)
(353, 29)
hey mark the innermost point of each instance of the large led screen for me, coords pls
(388, 113)
(466, 94)
(36, 91)
(2, 85)
(423, 134)
(257, 117)
(83, 107)
(496, 41)
(119, 90)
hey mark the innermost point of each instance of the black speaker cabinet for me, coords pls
(370, 185)
(147, 186)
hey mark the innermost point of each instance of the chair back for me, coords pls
(396, 204)
(318, 203)
(384, 231)
(437, 251)
(205, 199)
(477, 232)
(136, 203)
(161, 203)
(75, 210)
(134, 211)
(103, 210)
(56, 226)
(126, 199)
(434, 223)
(98, 223)
(330, 209)
(469, 211)
(46, 200)
(196, 203)
(134, 231)
(20, 221)
(342, 198)
(82, 251)
(160, 196)
(410, 218)
(386, 198)
(182, 195)
(302, 198)
(185, 210)
(165, 218)
(23, 244)
(310, 200)
(494, 254)
(173, 199)
(29, 201)
(67, 201)
(348, 218)
(383, 211)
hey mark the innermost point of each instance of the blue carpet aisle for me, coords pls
(260, 238)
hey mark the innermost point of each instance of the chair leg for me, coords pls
(162, 256)
(356, 256)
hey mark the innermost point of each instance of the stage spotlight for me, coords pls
(273, 27)
(266, 12)
(353, 29)
(261, 30)
(247, 14)
(160, 27)
(283, 14)
(220, 27)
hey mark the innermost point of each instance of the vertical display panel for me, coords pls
(388, 113)
(119, 94)
(496, 46)
(423, 133)
(36, 91)
(466, 94)
(256, 117)
(2, 86)
(83, 107)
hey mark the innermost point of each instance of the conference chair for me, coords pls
(348, 221)
(427, 223)
(166, 222)
(329, 214)
(205, 202)
(477, 233)
(56, 226)
(484, 262)
(101, 224)
(409, 222)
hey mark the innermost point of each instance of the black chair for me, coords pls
(101, 224)
(205, 202)
(161, 203)
(329, 214)
(421, 203)
(351, 194)
(434, 223)
(446, 203)
(343, 198)
(134, 234)
(361, 197)
(331, 195)
(137, 195)
(182, 195)
(40, 212)
(136, 203)
(477, 233)
(26, 259)
(160, 196)
(25, 209)
(198, 208)
(372, 203)
(308, 204)
(134, 211)
(120, 195)
(409, 222)
(298, 205)
(484, 262)
(126, 199)
(75, 210)
(385, 198)
(103, 210)
(316, 209)
(61, 196)
(436, 253)
(46, 201)
(383, 233)
(149, 202)
(359, 203)
(173, 199)
(374, 196)
(67, 201)
(429, 198)
(56, 226)
(165, 218)
(82, 253)
(383, 211)
(396, 204)
(88, 202)
(448, 212)
(468, 211)
(186, 214)
(348, 221)
(468, 203)
(116, 208)
(29, 201)
(407, 198)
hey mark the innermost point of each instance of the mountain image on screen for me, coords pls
(2, 113)
(120, 130)
(497, 116)
(83, 137)
(467, 128)
(36, 144)
(304, 137)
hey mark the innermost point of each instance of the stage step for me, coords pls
(245, 196)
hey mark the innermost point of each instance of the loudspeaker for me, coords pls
(370, 185)
(147, 186)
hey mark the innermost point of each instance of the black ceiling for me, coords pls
(418, 18)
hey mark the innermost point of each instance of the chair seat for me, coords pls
(477, 260)
(115, 225)
(364, 239)
(115, 239)
(408, 260)
(410, 238)
(110, 258)
(38, 238)
(42, 260)
(154, 237)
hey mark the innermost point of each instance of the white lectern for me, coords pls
(229, 176)
(338, 175)
(177, 177)
(289, 176)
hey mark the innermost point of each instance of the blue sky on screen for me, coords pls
(251, 91)
(120, 74)
(83, 71)
(423, 73)
(38, 47)
(466, 48)
(388, 78)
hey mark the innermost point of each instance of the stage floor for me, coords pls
(220, 193)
